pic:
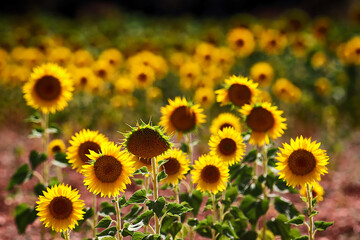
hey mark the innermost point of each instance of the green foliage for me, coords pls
(39, 188)
(322, 226)
(61, 160)
(134, 212)
(138, 197)
(24, 216)
(254, 208)
(36, 159)
(142, 170)
(22, 174)
(89, 212)
(107, 209)
(162, 175)
(111, 231)
(299, 220)
(194, 199)
(105, 222)
(284, 206)
(157, 206)
(176, 209)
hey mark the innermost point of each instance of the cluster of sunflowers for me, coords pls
(286, 61)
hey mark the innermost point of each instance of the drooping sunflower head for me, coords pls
(242, 41)
(264, 121)
(210, 174)
(60, 208)
(302, 162)
(224, 120)
(227, 145)
(181, 116)
(81, 144)
(317, 191)
(109, 171)
(237, 91)
(262, 73)
(56, 145)
(49, 88)
(176, 167)
(146, 141)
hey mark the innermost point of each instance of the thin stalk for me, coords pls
(310, 209)
(191, 185)
(118, 218)
(214, 213)
(156, 191)
(67, 234)
(45, 125)
(265, 169)
(95, 216)
(221, 213)
(176, 193)
(146, 181)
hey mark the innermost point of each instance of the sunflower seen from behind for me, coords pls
(317, 191)
(181, 116)
(224, 120)
(81, 144)
(264, 121)
(301, 162)
(176, 167)
(210, 174)
(109, 171)
(49, 88)
(237, 91)
(60, 208)
(227, 145)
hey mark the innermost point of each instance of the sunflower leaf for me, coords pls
(138, 197)
(60, 157)
(21, 175)
(177, 209)
(162, 175)
(104, 222)
(284, 206)
(134, 212)
(143, 170)
(194, 199)
(39, 188)
(162, 162)
(24, 215)
(145, 217)
(107, 209)
(111, 231)
(302, 238)
(322, 226)
(36, 159)
(157, 206)
(251, 156)
(299, 220)
(138, 236)
(36, 133)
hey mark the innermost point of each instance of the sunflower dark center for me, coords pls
(189, 75)
(60, 207)
(172, 166)
(314, 193)
(239, 94)
(357, 51)
(239, 42)
(210, 174)
(48, 88)
(107, 169)
(56, 149)
(146, 143)
(102, 73)
(112, 61)
(83, 81)
(227, 146)
(272, 43)
(301, 162)
(262, 77)
(322, 30)
(84, 149)
(225, 125)
(142, 77)
(204, 99)
(207, 57)
(183, 119)
(146, 161)
(260, 120)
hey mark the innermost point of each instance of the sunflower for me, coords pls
(265, 121)
(83, 58)
(142, 76)
(323, 86)
(237, 91)
(190, 74)
(262, 73)
(60, 55)
(109, 172)
(49, 88)
(317, 191)
(227, 145)
(56, 145)
(210, 174)
(224, 120)
(60, 208)
(352, 51)
(176, 167)
(226, 58)
(242, 41)
(318, 59)
(103, 69)
(204, 96)
(301, 162)
(205, 54)
(84, 79)
(146, 141)
(286, 91)
(153, 93)
(140, 162)
(272, 42)
(81, 144)
(124, 86)
(113, 56)
(181, 116)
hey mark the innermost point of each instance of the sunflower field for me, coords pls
(126, 126)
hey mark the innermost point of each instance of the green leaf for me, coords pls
(175, 227)
(21, 175)
(139, 182)
(313, 213)
(138, 236)
(35, 118)
(111, 231)
(145, 217)
(279, 226)
(184, 147)
(39, 188)
(251, 156)
(89, 212)
(122, 201)
(142, 170)
(24, 215)
(104, 222)
(231, 194)
(284, 206)
(302, 238)
(53, 181)
(299, 220)
(249, 235)
(271, 153)
(162, 175)
(60, 159)
(157, 206)
(107, 208)
(36, 159)
(138, 197)
(192, 222)
(134, 212)
(162, 162)
(176, 209)
(194, 199)
(254, 208)
(167, 222)
(36, 133)
(322, 226)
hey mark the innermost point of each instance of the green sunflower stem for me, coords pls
(214, 213)
(45, 125)
(95, 216)
(191, 185)
(156, 191)
(221, 213)
(146, 181)
(310, 210)
(265, 171)
(67, 234)
(118, 218)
